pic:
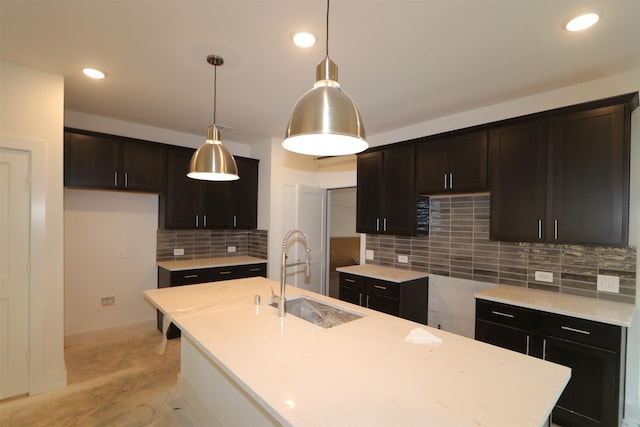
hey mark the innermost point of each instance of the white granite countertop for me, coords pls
(189, 264)
(614, 313)
(389, 274)
(359, 373)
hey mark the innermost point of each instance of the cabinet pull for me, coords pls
(360, 299)
(234, 221)
(224, 272)
(126, 179)
(115, 179)
(384, 222)
(580, 331)
(196, 221)
(367, 301)
(204, 220)
(190, 276)
(384, 288)
(445, 181)
(255, 269)
(377, 224)
(555, 228)
(450, 181)
(499, 313)
(350, 280)
(528, 340)
(544, 349)
(539, 229)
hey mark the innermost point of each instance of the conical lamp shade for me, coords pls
(212, 162)
(325, 121)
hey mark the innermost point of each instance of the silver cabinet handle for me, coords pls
(544, 349)
(384, 288)
(360, 299)
(580, 331)
(255, 269)
(204, 220)
(115, 179)
(539, 229)
(349, 280)
(450, 181)
(445, 181)
(384, 222)
(555, 229)
(367, 301)
(377, 224)
(126, 179)
(528, 340)
(196, 221)
(499, 313)
(190, 276)
(235, 222)
(224, 272)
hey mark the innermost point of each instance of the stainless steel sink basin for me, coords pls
(318, 312)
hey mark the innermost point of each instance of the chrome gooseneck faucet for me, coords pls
(281, 300)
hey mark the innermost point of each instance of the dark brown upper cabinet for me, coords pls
(194, 204)
(452, 164)
(563, 176)
(386, 197)
(94, 160)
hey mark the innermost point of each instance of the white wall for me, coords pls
(342, 210)
(109, 249)
(31, 118)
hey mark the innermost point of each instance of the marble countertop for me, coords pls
(614, 313)
(362, 372)
(389, 274)
(190, 264)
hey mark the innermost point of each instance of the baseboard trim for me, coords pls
(108, 333)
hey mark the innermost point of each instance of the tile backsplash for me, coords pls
(458, 246)
(199, 244)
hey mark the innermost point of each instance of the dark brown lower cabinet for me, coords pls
(408, 300)
(594, 351)
(167, 278)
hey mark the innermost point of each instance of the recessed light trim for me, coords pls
(93, 73)
(304, 39)
(582, 22)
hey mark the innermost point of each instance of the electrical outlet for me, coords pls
(404, 259)
(231, 249)
(178, 252)
(368, 254)
(608, 283)
(544, 276)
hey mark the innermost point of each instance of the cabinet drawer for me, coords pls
(505, 314)
(189, 277)
(255, 270)
(582, 331)
(352, 281)
(380, 287)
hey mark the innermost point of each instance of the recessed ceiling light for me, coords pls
(304, 39)
(93, 73)
(582, 22)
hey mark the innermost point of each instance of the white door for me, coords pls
(309, 205)
(15, 214)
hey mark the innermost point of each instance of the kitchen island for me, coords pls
(241, 364)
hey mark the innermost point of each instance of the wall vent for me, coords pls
(107, 302)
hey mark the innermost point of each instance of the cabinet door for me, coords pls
(216, 208)
(399, 195)
(383, 304)
(245, 194)
(517, 181)
(591, 397)
(181, 203)
(469, 162)
(433, 166)
(144, 167)
(503, 336)
(350, 294)
(91, 161)
(590, 177)
(368, 192)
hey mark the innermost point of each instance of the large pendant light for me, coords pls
(325, 121)
(212, 162)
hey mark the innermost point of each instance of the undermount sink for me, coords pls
(318, 312)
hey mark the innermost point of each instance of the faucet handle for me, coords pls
(274, 297)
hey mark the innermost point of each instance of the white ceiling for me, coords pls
(403, 62)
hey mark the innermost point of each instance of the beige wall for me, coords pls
(31, 118)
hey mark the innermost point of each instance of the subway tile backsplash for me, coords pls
(458, 246)
(199, 244)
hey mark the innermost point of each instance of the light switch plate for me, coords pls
(608, 283)
(404, 259)
(544, 276)
(178, 251)
(368, 254)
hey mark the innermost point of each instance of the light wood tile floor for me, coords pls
(119, 382)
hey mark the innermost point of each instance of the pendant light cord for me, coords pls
(327, 28)
(215, 78)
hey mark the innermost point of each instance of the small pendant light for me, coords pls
(325, 121)
(212, 162)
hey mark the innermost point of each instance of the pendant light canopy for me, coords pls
(325, 121)
(212, 162)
